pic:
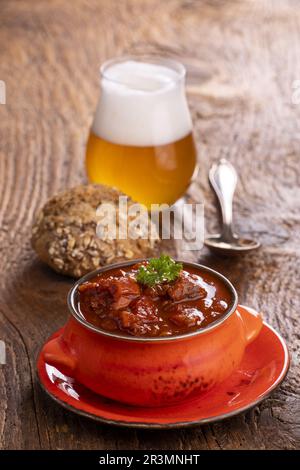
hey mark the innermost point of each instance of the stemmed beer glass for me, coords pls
(141, 139)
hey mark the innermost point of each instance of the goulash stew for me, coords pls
(154, 298)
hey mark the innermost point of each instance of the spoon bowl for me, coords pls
(236, 247)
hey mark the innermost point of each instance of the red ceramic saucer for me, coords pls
(264, 366)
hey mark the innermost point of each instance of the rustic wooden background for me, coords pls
(242, 57)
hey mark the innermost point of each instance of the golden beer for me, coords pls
(148, 174)
(141, 139)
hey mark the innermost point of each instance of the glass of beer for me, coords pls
(141, 139)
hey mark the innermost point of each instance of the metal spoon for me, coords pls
(223, 179)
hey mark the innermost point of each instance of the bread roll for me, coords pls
(64, 232)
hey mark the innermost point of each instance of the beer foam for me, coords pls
(142, 104)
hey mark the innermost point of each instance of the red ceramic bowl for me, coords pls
(152, 371)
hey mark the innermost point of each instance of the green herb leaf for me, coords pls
(159, 270)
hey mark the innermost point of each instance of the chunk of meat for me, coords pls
(139, 317)
(87, 286)
(186, 316)
(187, 286)
(96, 296)
(145, 309)
(123, 291)
(127, 319)
(116, 292)
(159, 290)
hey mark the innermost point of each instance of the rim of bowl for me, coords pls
(175, 65)
(77, 315)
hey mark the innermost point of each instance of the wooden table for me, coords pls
(242, 58)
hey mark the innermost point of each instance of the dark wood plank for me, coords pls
(242, 58)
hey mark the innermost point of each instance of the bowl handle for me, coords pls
(57, 353)
(252, 320)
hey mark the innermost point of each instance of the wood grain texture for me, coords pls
(242, 57)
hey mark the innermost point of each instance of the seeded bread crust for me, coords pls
(64, 233)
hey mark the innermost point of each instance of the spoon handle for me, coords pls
(223, 179)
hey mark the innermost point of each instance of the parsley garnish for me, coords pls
(158, 270)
